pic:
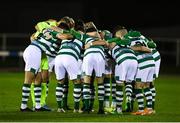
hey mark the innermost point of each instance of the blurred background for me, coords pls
(156, 20)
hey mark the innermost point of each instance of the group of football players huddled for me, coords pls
(123, 63)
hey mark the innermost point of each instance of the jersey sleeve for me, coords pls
(41, 26)
(79, 36)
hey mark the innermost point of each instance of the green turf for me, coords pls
(167, 105)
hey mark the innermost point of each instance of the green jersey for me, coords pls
(156, 55)
(94, 48)
(87, 39)
(145, 60)
(120, 54)
(48, 46)
(71, 47)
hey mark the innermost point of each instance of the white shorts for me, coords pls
(65, 63)
(157, 68)
(94, 61)
(51, 63)
(126, 71)
(32, 57)
(145, 75)
(80, 67)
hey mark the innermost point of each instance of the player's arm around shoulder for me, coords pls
(141, 49)
(97, 43)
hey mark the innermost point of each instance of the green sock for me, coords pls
(101, 104)
(43, 94)
(113, 91)
(77, 95)
(148, 96)
(25, 95)
(91, 105)
(86, 104)
(64, 102)
(92, 96)
(59, 94)
(86, 95)
(101, 95)
(119, 96)
(32, 95)
(76, 105)
(140, 99)
(65, 92)
(153, 90)
(107, 88)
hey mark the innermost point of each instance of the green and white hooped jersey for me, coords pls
(122, 54)
(107, 53)
(138, 41)
(55, 46)
(145, 60)
(156, 55)
(49, 47)
(93, 49)
(71, 47)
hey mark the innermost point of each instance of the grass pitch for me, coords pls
(167, 103)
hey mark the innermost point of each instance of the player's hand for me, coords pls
(87, 45)
(106, 44)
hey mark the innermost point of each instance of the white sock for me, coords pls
(38, 105)
(23, 106)
(113, 104)
(106, 104)
(119, 110)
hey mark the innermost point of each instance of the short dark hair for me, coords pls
(64, 26)
(79, 25)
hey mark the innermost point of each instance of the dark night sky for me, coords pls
(22, 16)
